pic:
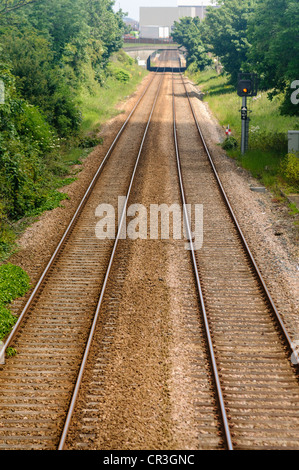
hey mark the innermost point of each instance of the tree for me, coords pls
(39, 80)
(7, 6)
(106, 25)
(189, 32)
(275, 47)
(227, 33)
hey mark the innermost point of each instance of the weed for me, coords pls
(10, 352)
(14, 283)
(293, 209)
(265, 158)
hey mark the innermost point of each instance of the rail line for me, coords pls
(255, 386)
(265, 376)
(36, 386)
(199, 287)
(267, 392)
(99, 305)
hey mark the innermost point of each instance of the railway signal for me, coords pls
(228, 131)
(247, 86)
(244, 87)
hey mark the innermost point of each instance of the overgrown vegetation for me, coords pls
(259, 36)
(14, 283)
(64, 71)
(267, 157)
(250, 36)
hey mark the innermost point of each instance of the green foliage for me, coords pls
(120, 74)
(14, 283)
(90, 141)
(226, 32)
(229, 143)
(7, 321)
(267, 131)
(252, 35)
(290, 169)
(40, 82)
(275, 47)
(25, 137)
(188, 32)
(268, 141)
(293, 209)
(6, 6)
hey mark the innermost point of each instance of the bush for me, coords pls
(14, 283)
(7, 321)
(290, 169)
(229, 143)
(268, 141)
(119, 73)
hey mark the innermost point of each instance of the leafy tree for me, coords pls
(188, 32)
(226, 28)
(7, 6)
(275, 47)
(40, 81)
(106, 26)
(62, 22)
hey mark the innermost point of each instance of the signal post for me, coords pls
(247, 86)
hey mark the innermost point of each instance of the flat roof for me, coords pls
(194, 3)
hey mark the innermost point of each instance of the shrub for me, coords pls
(89, 141)
(14, 283)
(229, 143)
(290, 169)
(7, 321)
(119, 73)
(268, 141)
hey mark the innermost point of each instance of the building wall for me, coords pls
(151, 32)
(194, 3)
(151, 18)
(158, 16)
(192, 11)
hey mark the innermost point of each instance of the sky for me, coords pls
(132, 6)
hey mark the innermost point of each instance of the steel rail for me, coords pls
(72, 223)
(242, 237)
(103, 289)
(199, 287)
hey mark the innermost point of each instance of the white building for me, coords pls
(157, 22)
(193, 8)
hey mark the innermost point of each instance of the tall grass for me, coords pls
(98, 104)
(225, 104)
(268, 128)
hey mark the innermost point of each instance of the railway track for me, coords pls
(249, 346)
(56, 391)
(50, 336)
(255, 386)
